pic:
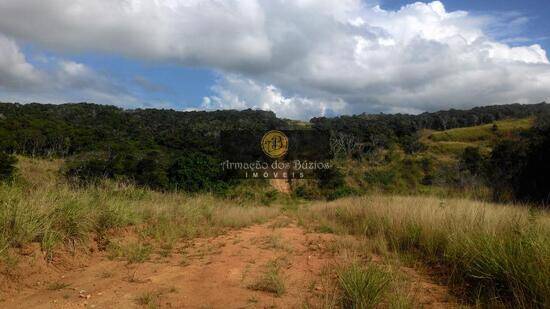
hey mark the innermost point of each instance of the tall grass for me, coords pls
(492, 253)
(41, 207)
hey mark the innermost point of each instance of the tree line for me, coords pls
(169, 149)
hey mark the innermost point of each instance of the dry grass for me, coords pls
(271, 280)
(41, 207)
(498, 252)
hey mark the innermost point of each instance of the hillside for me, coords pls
(169, 150)
(452, 142)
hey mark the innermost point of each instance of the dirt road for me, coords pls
(229, 271)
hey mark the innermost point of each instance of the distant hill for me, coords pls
(67, 129)
(454, 141)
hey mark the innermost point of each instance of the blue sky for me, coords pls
(537, 12)
(300, 61)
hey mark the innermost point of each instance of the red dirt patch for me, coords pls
(203, 273)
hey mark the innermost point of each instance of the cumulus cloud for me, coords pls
(235, 92)
(59, 80)
(306, 57)
(15, 71)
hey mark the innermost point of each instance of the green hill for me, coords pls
(453, 142)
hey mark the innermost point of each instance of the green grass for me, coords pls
(483, 132)
(453, 142)
(363, 287)
(491, 253)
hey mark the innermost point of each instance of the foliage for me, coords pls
(373, 131)
(519, 169)
(196, 172)
(166, 149)
(7, 166)
(472, 160)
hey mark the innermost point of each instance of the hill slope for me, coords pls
(453, 142)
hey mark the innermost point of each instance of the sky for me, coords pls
(300, 59)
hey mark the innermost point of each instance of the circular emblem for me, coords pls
(275, 144)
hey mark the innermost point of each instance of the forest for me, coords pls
(167, 149)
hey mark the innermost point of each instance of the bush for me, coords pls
(88, 168)
(330, 178)
(196, 172)
(411, 144)
(7, 166)
(518, 170)
(151, 171)
(472, 160)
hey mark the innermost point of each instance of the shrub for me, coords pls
(411, 144)
(87, 168)
(7, 166)
(195, 172)
(151, 171)
(472, 160)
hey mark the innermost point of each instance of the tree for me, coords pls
(7, 166)
(194, 172)
(151, 171)
(505, 165)
(472, 160)
(411, 143)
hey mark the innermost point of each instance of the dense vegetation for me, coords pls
(7, 166)
(158, 148)
(520, 168)
(166, 149)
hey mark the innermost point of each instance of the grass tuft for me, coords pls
(270, 281)
(363, 287)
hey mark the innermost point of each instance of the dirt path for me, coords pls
(216, 272)
(281, 185)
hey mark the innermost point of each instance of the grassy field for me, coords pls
(491, 255)
(41, 207)
(452, 142)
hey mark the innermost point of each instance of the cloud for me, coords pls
(58, 81)
(15, 71)
(235, 92)
(305, 57)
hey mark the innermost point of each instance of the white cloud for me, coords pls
(15, 71)
(59, 81)
(234, 92)
(305, 57)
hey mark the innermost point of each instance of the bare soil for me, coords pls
(203, 273)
